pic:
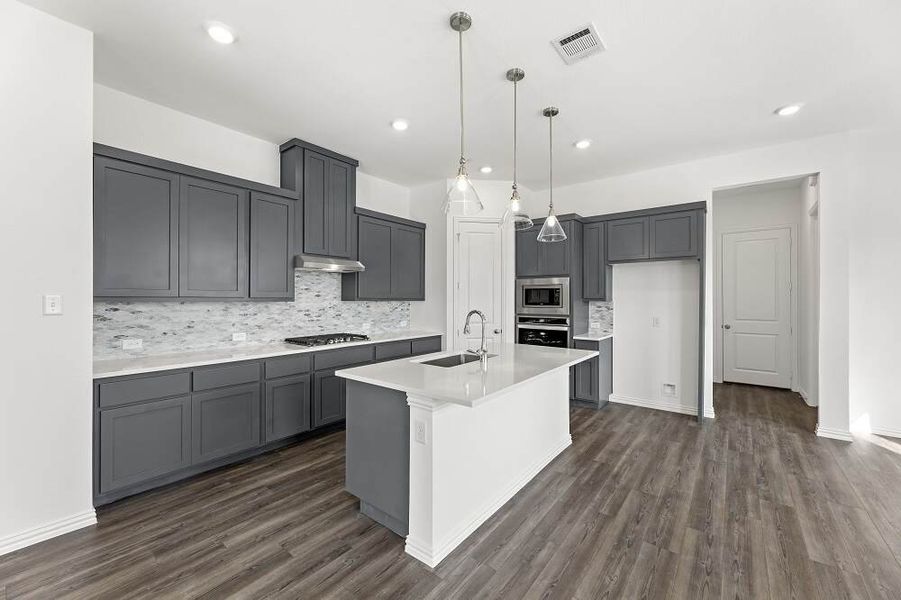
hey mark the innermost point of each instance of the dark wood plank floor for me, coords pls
(646, 504)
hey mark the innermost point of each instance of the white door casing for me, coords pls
(757, 307)
(478, 282)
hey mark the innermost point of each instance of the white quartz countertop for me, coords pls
(197, 358)
(593, 335)
(468, 385)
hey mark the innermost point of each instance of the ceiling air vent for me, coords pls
(578, 44)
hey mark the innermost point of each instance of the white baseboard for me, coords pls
(834, 434)
(432, 557)
(674, 406)
(884, 431)
(806, 397)
(17, 541)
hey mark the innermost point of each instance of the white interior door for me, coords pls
(757, 328)
(479, 283)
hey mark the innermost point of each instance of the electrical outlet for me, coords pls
(669, 389)
(239, 337)
(655, 321)
(133, 344)
(53, 304)
(594, 325)
(420, 432)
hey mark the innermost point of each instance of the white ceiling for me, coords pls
(679, 80)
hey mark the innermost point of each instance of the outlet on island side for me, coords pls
(420, 432)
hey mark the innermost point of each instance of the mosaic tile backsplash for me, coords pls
(177, 326)
(601, 313)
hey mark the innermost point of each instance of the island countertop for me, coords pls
(467, 385)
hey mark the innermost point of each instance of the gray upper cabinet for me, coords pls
(327, 225)
(674, 235)
(135, 230)
(212, 240)
(544, 259)
(596, 275)
(627, 239)
(393, 251)
(271, 246)
(163, 230)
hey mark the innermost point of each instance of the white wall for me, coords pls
(752, 207)
(135, 124)
(426, 205)
(643, 357)
(808, 329)
(45, 150)
(696, 180)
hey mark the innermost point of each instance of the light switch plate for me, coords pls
(53, 304)
(239, 337)
(132, 344)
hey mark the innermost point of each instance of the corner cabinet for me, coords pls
(393, 251)
(327, 225)
(165, 230)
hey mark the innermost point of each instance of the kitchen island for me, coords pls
(434, 451)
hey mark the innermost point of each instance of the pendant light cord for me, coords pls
(462, 129)
(551, 168)
(515, 83)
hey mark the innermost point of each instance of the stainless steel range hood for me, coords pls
(327, 264)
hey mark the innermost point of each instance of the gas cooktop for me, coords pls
(327, 338)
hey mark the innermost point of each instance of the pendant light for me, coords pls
(514, 210)
(551, 231)
(461, 195)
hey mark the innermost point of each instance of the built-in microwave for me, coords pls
(542, 296)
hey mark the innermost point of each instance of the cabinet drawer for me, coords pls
(117, 393)
(391, 350)
(291, 365)
(427, 345)
(208, 379)
(342, 357)
(585, 345)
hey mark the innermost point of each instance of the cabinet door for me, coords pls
(315, 203)
(553, 257)
(585, 381)
(135, 230)
(144, 441)
(594, 262)
(375, 253)
(225, 421)
(212, 240)
(674, 235)
(341, 195)
(271, 246)
(328, 398)
(627, 239)
(407, 263)
(287, 407)
(527, 253)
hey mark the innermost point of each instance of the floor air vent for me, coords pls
(578, 44)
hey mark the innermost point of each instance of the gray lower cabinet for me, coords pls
(144, 441)
(287, 407)
(271, 246)
(393, 251)
(328, 398)
(627, 239)
(135, 230)
(591, 381)
(212, 240)
(225, 421)
(596, 274)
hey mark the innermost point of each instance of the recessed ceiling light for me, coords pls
(788, 110)
(486, 169)
(220, 32)
(400, 124)
(582, 144)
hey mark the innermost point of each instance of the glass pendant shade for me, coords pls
(515, 213)
(551, 230)
(462, 197)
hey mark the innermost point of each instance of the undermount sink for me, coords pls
(454, 360)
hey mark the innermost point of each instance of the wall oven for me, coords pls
(542, 296)
(543, 331)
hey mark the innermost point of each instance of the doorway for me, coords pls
(765, 294)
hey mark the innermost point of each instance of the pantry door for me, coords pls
(478, 282)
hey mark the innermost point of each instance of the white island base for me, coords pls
(475, 459)
(433, 452)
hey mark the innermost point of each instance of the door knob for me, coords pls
(498, 331)
(727, 326)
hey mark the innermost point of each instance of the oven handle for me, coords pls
(543, 327)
